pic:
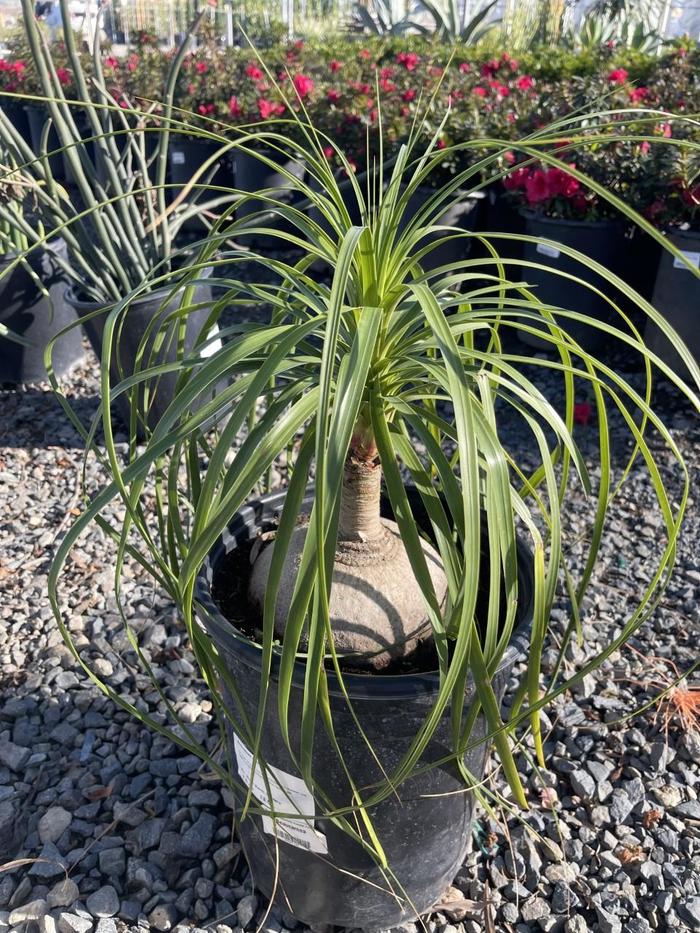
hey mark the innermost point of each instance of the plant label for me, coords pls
(287, 794)
(548, 250)
(214, 344)
(693, 259)
(178, 157)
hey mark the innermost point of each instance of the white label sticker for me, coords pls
(177, 157)
(693, 259)
(548, 250)
(289, 794)
(213, 346)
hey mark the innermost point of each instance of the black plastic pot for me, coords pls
(602, 241)
(185, 156)
(37, 116)
(252, 176)
(677, 297)
(137, 319)
(36, 317)
(17, 114)
(424, 828)
(461, 214)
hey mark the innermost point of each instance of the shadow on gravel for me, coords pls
(32, 417)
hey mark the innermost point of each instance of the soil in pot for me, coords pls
(252, 176)
(677, 298)
(136, 322)
(325, 877)
(602, 241)
(26, 311)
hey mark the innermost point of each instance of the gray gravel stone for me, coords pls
(689, 910)
(63, 894)
(53, 824)
(246, 909)
(73, 923)
(13, 756)
(163, 917)
(104, 902)
(583, 784)
(32, 910)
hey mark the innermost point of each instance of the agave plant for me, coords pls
(379, 377)
(454, 24)
(381, 18)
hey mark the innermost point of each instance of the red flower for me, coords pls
(328, 152)
(516, 179)
(201, 67)
(618, 76)
(333, 96)
(639, 93)
(132, 62)
(386, 85)
(465, 67)
(254, 72)
(408, 59)
(441, 143)
(525, 83)
(580, 203)
(191, 88)
(561, 183)
(364, 53)
(234, 109)
(644, 147)
(436, 71)
(665, 130)
(386, 73)
(268, 109)
(490, 68)
(111, 62)
(205, 109)
(303, 85)
(63, 76)
(479, 91)
(537, 187)
(582, 413)
(335, 65)
(408, 95)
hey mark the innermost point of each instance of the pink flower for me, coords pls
(516, 179)
(639, 93)
(254, 72)
(335, 65)
(582, 413)
(537, 187)
(490, 68)
(665, 130)
(234, 109)
(618, 76)
(525, 83)
(328, 152)
(408, 95)
(111, 62)
(465, 67)
(201, 67)
(441, 143)
(267, 108)
(479, 91)
(386, 85)
(408, 59)
(644, 147)
(63, 76)
(333, 96)
(364, 53)
(561, 183)
(303, 85)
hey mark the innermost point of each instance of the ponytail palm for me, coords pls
(383, 364)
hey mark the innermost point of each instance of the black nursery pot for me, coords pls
(26, 311)
(324, 876)
(37, 117)
(137, 320)
(251, 176)
(462, 214)
(602, 241)
(185, 157)
(677, 298)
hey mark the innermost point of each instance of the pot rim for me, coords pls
(81, 305)
(529, 214)
(53, 245)
(358, 686)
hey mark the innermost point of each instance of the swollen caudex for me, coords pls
(377, 610)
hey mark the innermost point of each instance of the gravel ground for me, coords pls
(130, 834)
